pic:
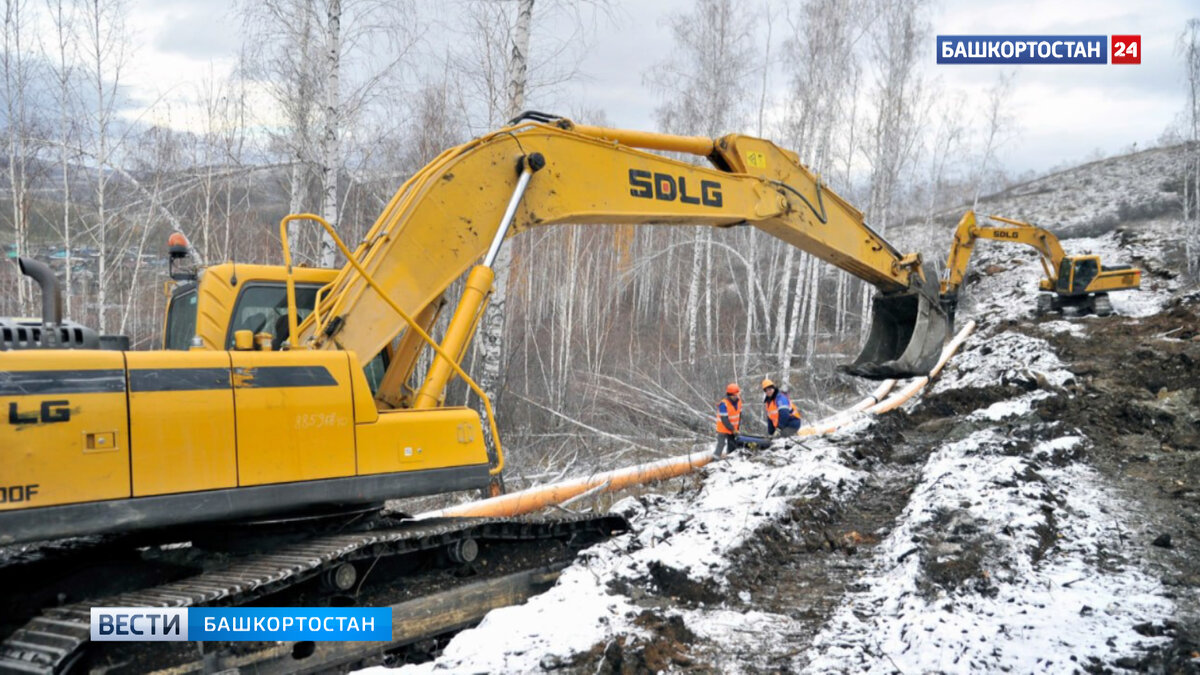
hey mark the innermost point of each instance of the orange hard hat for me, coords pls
(733, 388)
(177, 239)
(767, 383)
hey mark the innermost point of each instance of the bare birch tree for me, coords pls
(17, 75)
(491, 334)
(298, 50)
(500, 74)
(331, 156)
(822, 53)
(998, 125)
(701, 86)
(948, 139)
(58, 50)
(1189, 48)
(895, 130)
(103, 47)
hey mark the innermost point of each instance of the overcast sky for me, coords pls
(1063, 114)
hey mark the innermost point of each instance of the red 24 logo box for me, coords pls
(1126, 49)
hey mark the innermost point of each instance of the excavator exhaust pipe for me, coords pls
(908, 330)
(51, 295)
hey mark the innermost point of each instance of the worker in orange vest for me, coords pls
(729, 419)
(780, 414)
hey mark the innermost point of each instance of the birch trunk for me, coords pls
(793, 327)
(692, 317)
(814, 307)
(97, 40)
(708, 291)
(331, 152)
(569, 320)
(295, 204)
(781, 303)
(14, 81)
(63, 75)
(751, 303)
(491, 336)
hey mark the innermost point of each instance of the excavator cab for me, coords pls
(1076, 273)
(908, 330)
(228, 298)
(222, 299)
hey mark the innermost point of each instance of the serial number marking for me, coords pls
(307, 421)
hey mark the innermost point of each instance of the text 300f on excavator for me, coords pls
(1078, 281)
(284, 389)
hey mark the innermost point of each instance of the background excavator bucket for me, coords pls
(907, 334)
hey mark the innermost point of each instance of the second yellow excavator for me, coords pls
(1078, 281)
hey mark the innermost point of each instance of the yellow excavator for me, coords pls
(285, 389)
(1078, 281)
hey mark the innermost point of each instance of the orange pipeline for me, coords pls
(899, 398)
(542, 496)
(536, 498)
(836, 421)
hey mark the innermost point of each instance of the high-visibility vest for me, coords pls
(774, 405)
(733, 412)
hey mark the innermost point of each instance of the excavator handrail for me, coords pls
(317, 305)
(412, 324)
(398, 200)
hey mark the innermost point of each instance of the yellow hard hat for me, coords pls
(767, 383)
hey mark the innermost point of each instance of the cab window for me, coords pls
(181, 320)
(262, 308)
(1063, 284)
(1085, 272)
(375, 369)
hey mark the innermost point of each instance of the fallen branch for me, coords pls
(588, 427)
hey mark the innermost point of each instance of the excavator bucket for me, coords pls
(907, 334)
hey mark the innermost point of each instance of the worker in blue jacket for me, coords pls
(780, 414)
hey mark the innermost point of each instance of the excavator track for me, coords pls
(55, 640)
(421, 628)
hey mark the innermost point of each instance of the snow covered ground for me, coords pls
(999, 560)
(1093, 198)
(683, 539)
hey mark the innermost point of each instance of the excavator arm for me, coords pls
(1018, 232)
(451, 214)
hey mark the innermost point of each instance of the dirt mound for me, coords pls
(666, 647)
(676, 584)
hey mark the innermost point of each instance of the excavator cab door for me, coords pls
(1076, 274)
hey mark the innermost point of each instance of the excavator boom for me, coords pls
(448, 216)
